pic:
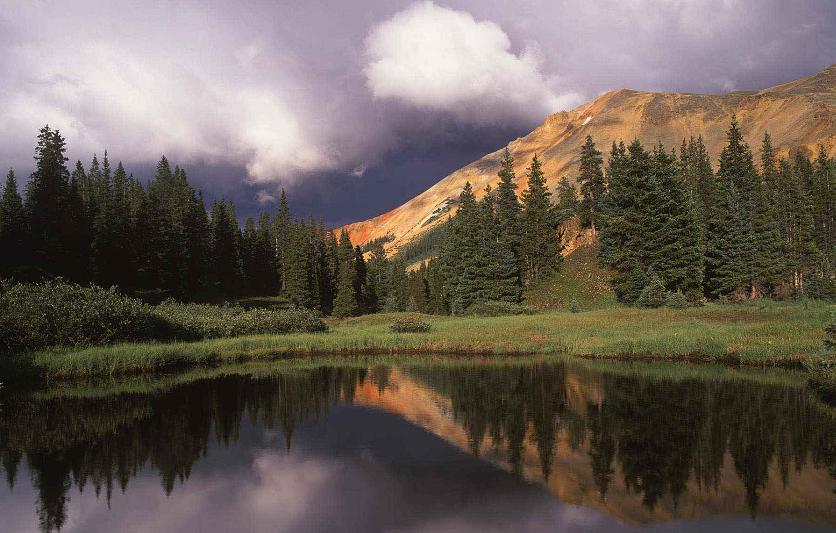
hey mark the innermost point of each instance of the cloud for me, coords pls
(264, 197)
(438, 58)
(152, 92)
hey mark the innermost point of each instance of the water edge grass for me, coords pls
(761, 333)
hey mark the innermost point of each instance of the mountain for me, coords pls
(799, 115)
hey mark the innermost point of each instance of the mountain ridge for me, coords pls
(799, 115)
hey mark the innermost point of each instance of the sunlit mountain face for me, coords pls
(521, 446)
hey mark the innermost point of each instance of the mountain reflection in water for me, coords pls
(450, 447)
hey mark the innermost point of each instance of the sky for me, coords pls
(355, 107)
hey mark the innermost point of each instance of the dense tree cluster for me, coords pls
(666, 223)
(672, 222)
(103, 226)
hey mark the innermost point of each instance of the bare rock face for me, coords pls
(799, 115)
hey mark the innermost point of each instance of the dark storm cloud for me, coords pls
(357, 106)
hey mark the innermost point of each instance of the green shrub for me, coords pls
(574, 306)
(409, 324)
(202, 321)
(676, 300)
(57, 313)
(497, 308)
(653, 294)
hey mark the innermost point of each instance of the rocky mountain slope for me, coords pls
(800, 115)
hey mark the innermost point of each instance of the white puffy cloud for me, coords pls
(442, 59)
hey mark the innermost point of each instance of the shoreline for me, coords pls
(773, 334)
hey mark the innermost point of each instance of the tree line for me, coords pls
(157, 239)
(741, 232)
(664, 222)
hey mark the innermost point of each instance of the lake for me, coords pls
(461, 445)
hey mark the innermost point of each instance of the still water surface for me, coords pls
(472, 446)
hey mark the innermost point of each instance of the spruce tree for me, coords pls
(297, 268)
(593, 186)
(47, 206)
(345, 301)
(397, 293)
(567, 201)
(463, 253)
(508, 210)
(671, 244)
(12, 229)
(282, 232)
(541, 247)
(734, 246)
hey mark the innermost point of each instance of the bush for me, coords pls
(653, 294)
(409, 324)
(574, 306)
(676, 300)
(57, 313)
(202, 321)
(497, 308)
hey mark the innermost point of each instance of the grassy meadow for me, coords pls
(760, 333)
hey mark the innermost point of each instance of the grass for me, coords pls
(580, 278)
(761, 333)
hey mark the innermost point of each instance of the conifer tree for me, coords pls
(498, 278)
(541, 247)
(297, 268)
(437, 302)
(671, 244)
(508, 210)
(463, 254)
(77, 236)
(397, 294)
(345, 301)
(377, 277)
(12, 228)
(733, 243)
(567, 201)
(593, 186)
(282, 232)
(620, 239)
(226, 249)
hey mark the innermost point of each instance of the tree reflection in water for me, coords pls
(657, 433)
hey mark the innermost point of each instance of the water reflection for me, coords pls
(629, 448)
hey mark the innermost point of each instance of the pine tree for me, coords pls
(12, 229)
(282, 232)
(567, 201)
(226, 249)
(671, 245)
(46, 204)
(508, 210)
(249, 256)
(822, 192)
(734, 246)
(437, 301)
(77, 236)
(593, 186)
(625, 214)
(377, 277)
(345, 302)
(397, 293)
(498, 266)
(541, 247)
(768, 262)
(297, 268)
(463, 254)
